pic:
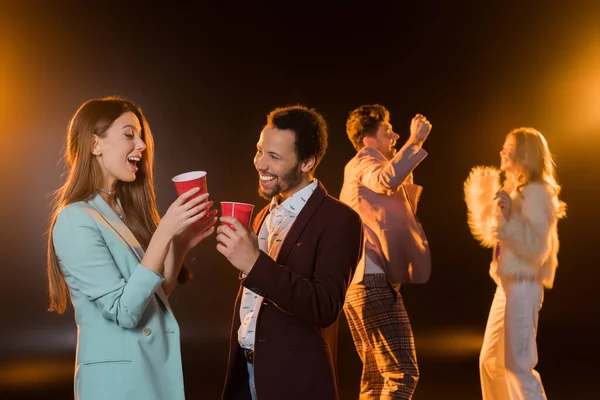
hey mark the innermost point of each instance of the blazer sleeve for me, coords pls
(383, 176)
(413, 192)
(318, 301)
(527, 232)
(84, 255)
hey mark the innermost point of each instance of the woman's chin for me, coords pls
(128, 178)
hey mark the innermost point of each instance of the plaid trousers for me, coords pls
(383, 338)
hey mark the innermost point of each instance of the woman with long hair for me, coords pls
(119, 262)
(518, 218)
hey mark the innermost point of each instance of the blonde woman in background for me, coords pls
(519, 220)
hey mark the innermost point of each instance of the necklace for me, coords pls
(120, 214)
(108, 192)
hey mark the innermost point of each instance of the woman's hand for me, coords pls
(183, 213)
(197, 232)
(505, 203)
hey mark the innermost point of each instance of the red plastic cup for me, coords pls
(189, 180)
(241, 211)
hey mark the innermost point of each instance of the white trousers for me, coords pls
(509, 352)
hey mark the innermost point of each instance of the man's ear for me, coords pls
(96, 148)
(308, 164)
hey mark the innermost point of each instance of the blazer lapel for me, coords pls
(298, 226)
(113, 220)
(302, 220)
(260, 217)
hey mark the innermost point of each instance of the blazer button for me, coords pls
(146, 331)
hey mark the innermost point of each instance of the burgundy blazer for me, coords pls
(303, 291)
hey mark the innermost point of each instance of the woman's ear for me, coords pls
(96, 146)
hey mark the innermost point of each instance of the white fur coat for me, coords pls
(528, 240)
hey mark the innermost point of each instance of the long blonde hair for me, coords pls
(137, 198)
(536, 164)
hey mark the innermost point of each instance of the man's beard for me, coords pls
(290, 179)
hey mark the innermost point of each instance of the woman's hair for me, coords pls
(137, 198)
(536, 164)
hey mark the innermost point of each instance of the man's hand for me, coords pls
(238, 245)
(419, 129)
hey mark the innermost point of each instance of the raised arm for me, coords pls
(480, 188)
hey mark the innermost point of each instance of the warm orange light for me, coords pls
(451, 342)
(35, 373)
(575, 88)
(4, 88)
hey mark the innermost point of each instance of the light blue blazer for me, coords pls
(127, 337)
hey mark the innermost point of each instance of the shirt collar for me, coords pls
(294, 204)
